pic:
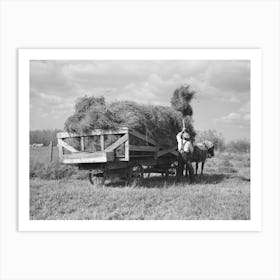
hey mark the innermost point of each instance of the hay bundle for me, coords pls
(161, 123)
(181, 99)
(90, 113)
(83, 104)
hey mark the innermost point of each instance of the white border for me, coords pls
(254, 55)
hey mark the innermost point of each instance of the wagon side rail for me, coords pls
(151, 146)
(77, 156)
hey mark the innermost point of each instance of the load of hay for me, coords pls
(161, 123)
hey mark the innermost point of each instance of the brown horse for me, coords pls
(202, 151)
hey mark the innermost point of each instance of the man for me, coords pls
(185, 149)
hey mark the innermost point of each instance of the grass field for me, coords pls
(223, 193)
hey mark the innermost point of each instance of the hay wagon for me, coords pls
(123, 153)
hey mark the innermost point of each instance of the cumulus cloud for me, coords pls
(49, 106)
(211, 79)
(230, 75)
(221, 85)
(50, 99)
(240, 118)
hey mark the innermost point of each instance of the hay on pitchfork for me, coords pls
(181, 99)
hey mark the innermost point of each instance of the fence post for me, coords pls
(51, 150)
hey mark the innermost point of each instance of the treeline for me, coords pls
(43, 136)
(236, 146)
(240, 146)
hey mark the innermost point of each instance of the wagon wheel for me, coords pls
(96, 179)
(170, 171)
(147, 175)
(135, 174)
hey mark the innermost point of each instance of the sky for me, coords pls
(222, 100)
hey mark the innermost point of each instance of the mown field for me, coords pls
(62, 192)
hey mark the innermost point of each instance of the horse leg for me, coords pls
(180, 167)
(186, 170)
(196, 167)
(202, 166)
(191, 172)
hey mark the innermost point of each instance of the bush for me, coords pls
(50, 171)
(43, 136)
(239, 146)
(35, 168)
(227, 167)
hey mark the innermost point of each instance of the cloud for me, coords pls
(245, 108)
(48, 105)
(50, 99)
(241, 117)
(56, 84)
(211, 79)
(230, 75)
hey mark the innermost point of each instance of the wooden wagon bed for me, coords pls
(69, 154)
(116, 151)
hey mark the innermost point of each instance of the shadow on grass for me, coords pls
(211, 178)
(152, 182)
(162, 182)
(243, 178)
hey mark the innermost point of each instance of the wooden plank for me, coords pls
(117, 143)
(82, 143)
(142, 148)
(126, 149)
(87, 154)
(96, 157)
(60, 149)
(122, 130)
(102, 142)
(83, 160)
(142, 137)
(61, 135)
(166, 151)
(68, 147)
(123, 159)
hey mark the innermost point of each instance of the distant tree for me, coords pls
(239, 146)
(43, 136)
(213, 136)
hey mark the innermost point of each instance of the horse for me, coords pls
(202, 151)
